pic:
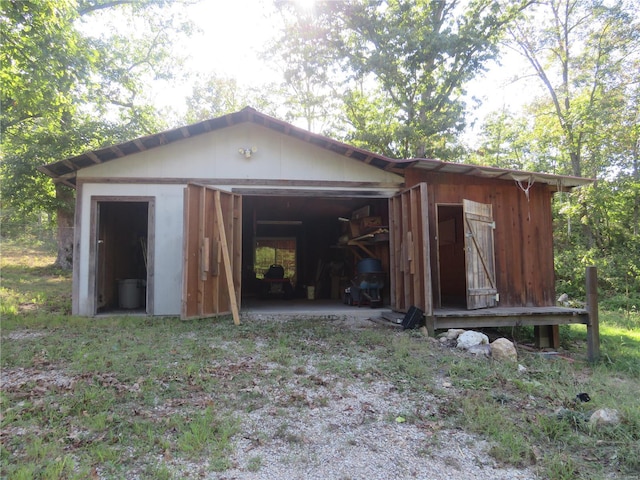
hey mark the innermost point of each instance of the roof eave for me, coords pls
(557, 182)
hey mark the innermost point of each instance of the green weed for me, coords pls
(205, 432)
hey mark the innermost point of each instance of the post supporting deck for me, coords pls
(593, 327)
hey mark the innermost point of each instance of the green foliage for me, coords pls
(404, 65)
(65, 87)
(587, 124)
(615, 251)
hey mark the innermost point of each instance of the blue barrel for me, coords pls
(369, 265)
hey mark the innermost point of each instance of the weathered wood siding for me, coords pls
(523, 236)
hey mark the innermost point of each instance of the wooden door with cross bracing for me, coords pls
(479, 255)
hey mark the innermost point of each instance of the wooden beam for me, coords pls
(117, 151)
(93, 157)
(138, 143)
(485, 321)
(67, 176)
(70, 165)
(226, 260)
(64, 182)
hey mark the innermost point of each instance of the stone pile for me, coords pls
(478, 344)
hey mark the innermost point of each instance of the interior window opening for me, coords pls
(275, 252)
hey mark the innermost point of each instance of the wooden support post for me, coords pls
(593, 327)
(430, 323)
(547, 336)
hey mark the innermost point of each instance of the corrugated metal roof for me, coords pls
(65, 170)
(560, 182)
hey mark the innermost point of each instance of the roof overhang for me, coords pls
(64, 171)
(557, 182)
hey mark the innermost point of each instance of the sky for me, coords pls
(228, 39)
(230, 35)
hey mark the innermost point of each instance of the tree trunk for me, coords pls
(636, 180)
(65, 220)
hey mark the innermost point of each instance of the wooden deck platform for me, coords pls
(444, 318)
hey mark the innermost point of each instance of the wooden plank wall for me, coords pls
(205, 288)
(523, 236)
(191, 239)
(409, 250)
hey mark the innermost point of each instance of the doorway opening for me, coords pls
(300, 248)
(451, 256)
(122, 246)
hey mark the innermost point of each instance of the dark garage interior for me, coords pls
(312, 238)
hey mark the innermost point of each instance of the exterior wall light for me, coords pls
(247, 152)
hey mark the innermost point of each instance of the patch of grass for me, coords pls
(30, 282)
(205, 432)
(254, 463)
(117, 394)
(509, 443)
(558, 466)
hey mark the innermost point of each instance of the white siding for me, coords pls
(215, 155)
(168, 242)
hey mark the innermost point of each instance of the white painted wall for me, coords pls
(215, 155)
(208, 156)
(168, 242)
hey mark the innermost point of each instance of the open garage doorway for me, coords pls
(305, 248)
(122, 247)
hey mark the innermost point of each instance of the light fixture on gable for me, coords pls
(247, 152)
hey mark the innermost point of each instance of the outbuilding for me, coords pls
(189, 221)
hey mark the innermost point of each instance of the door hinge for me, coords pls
(493, 225)
(497, 297)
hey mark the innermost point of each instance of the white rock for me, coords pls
(504, 350)
(605, 416)
(470, 338)
(522, 369)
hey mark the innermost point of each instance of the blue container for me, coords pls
(369, 265)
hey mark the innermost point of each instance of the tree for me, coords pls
(64, 91)
(405, 65)
(215, 96)
(581, 50)
(309, 79)
(585, 122)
